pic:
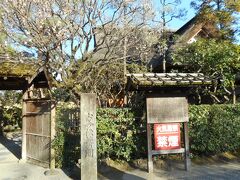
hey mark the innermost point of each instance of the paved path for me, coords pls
(10, 169)
(223, 171)
(24, 171)
(7, 156)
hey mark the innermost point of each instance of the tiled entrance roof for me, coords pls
(168, 80)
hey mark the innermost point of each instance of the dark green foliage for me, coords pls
(214, 129)
(119, 136)
(115, 132)
(223, 14)
(210, 57)
(10, 111)
(215, 59)
(10, 118)
(122, 136)
(67, 141)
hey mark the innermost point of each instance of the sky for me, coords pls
(177, 23)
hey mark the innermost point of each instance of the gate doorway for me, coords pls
(37, 115)
(38, 110)
(10, 126)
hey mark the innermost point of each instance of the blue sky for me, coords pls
(177, 23)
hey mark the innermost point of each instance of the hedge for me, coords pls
(122, 136)
(10, 118)
(214, 129)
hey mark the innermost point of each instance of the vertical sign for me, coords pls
(167, 136)
(88, 137)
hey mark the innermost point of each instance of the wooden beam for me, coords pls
(53, 133)
(149, 141)
(173, 151)
(186, 144)
(24, 137)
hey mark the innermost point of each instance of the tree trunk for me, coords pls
(233, 93)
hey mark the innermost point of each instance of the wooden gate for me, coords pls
(38, 121)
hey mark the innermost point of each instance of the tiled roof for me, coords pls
(168, 80)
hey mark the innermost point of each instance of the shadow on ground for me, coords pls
(107, 172)
(12, 144)
(104, 172)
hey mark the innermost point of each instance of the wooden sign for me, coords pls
(166, 109)
(167, 136)
(88, 137)
(165, 112)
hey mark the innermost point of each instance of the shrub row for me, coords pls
(120, 135)
(214, 128)
(10, 118)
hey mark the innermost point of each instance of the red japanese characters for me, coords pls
(167, 136)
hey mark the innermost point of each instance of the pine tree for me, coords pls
(223, 13)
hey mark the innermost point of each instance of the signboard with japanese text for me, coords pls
(166, 109)
(167, 136)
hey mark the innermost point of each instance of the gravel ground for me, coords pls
(24, 171)
(220, 171)
(11, 169)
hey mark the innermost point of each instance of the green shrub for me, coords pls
(122, 136)
(119, 136)
(10, 118)
(67, 140)
(214, 128)
(115, 133)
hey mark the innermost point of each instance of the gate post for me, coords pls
(186, 145)
(88, 137)
(53, 132)
(149, 141)
(24, 140)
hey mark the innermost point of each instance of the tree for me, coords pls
(5, 49)
(218, 56)
(167, 11)
(223, 13)
(212, 58)
(170, 10)
(63, 34)
(10, 109)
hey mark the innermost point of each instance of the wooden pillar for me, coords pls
(149, 140)
(186, 146)
(24, 137)
(53, 132)
(88, 137)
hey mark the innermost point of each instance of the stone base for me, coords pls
(51, 172)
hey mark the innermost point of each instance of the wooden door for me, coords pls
(37, 117)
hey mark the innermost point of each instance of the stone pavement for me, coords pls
(6, 156)
(223, 171)
(11, 169)
(10, 148)
(25, 171)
